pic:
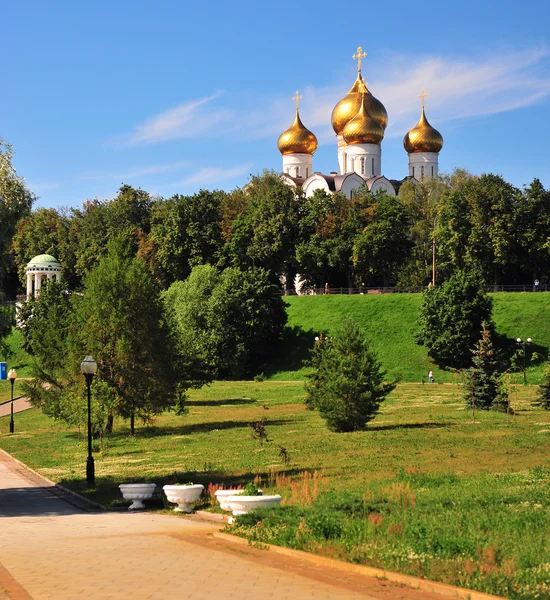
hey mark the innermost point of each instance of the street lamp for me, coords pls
(522, 344)
(12, 376)
(88, 368)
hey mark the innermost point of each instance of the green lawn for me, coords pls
(390, 321)
(424, 490)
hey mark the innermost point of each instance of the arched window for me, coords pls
(297, 171)
(373, 167)
(362, 165)
(422, 172)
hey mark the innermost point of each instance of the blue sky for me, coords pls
(177, 96)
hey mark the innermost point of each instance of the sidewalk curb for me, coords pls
(58, 486)
(409, 580)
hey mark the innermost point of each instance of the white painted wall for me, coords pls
(298, 165)
(423, 165)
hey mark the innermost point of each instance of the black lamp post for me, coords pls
(88, 368)
(522, 344)
(12, 376)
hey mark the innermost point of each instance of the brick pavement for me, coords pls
(53, 549)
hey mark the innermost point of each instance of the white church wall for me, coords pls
(423, 165)
(298, 165)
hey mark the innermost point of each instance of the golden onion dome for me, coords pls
(297, 139)
(423, 137)
(349, 106)
(363, 128)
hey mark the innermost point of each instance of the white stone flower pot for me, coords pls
(241, 505)
(222, 495)
(137, 492)
(183, 495)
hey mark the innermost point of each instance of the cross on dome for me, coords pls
(422, 96)
(297, 99)
(360, 54)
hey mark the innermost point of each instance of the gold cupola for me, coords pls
(350, 104)
(297, 139)
(423, 137)
(363, 128)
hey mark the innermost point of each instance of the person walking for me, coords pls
(430, 377)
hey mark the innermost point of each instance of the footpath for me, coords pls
(55, 546)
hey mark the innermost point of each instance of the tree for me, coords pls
(484, 387)
(233, 320)
(15, 202)
(45, 231)
(123, 328)
(7, 321)
(451, 316)
(385, 241)
(543, 394)
(346, 385)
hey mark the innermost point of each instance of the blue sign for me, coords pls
(3, 370)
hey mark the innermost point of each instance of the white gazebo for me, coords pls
(40, 268)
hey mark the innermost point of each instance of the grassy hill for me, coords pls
(390, 321)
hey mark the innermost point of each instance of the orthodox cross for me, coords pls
(422, 96)
(297, 99)
(360, 54)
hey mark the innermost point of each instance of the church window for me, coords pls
(307, 174)
(373, 167)
(297, 171)
(362, 166)
(432, 170)
(422, 172)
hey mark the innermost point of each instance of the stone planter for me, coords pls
(183, 495)
(137, 492)
(241, 505)
(222, 495)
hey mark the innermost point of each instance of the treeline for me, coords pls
(477, 223)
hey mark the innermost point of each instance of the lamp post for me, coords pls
(88, 368)
(12, 376)
(522, 344)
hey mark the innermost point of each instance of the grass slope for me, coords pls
(390, 321)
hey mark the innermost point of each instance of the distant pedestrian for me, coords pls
(430, 377)
(327, 289)
(536, 284)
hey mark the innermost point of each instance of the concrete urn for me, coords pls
(241, 504)
(222, 495)
(183, 496)
(137, 492)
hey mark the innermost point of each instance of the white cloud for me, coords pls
(41, 187)
(187, 120)
(209, 175)
(458, 89)
(136, 172)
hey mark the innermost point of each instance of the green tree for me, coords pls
(543, 393)
(451, 317)
(122, 326)
(484, 387)
(384, 243)
(185, 232)
(45, 231)
(7, 321)
(15, 203)
(347, 384)
(232, 320)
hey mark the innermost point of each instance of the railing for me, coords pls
(543, 287)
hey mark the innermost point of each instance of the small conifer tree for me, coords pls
(347, 385)
(543, 395)
(484, 387)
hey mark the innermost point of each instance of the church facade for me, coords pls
(359, 121)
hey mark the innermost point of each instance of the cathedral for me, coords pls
(359, 121)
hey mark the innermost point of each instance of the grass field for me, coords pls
(390, 321)
(425, 490)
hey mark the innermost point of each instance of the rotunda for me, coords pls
(40, 268)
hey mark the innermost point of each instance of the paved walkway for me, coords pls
(52, 546)
(18, 405)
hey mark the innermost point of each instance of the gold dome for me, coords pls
(363, 128)
(423, 137)
(297, 139)
(349, 106)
